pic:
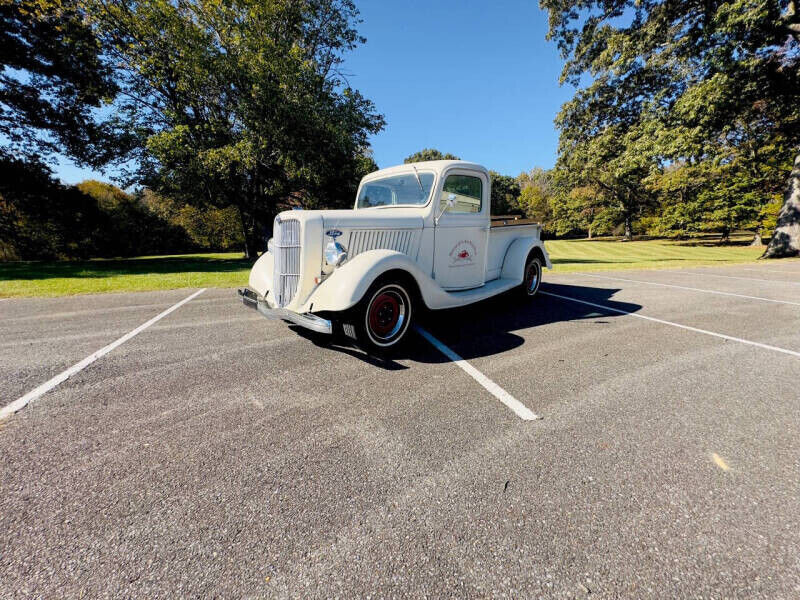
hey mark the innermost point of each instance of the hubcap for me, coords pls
(384, 314)
(387, 315)
(532, 278)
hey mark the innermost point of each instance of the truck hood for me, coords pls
(372, 218)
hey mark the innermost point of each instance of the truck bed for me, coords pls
(510, 221)
(503, 231)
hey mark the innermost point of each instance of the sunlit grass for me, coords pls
(123, 275)
(611, 254)
(231, 269)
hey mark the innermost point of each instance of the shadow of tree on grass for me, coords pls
(101, 268)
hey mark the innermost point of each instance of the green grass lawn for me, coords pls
(606, 254)
(123, 275)
(230, 270)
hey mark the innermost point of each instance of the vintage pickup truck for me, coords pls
(419, 236)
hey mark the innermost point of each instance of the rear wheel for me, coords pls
(380, 322)
(533, 276)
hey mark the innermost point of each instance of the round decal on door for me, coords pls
(463, 254)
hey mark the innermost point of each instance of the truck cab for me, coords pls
(419, 235)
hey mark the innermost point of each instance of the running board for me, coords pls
(486, 291)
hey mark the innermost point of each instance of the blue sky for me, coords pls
(470, 77)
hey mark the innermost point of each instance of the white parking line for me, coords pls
(518, 407)
(671, 324)
(22, 402)
(770, 271)
(693, 289)
(734, 277)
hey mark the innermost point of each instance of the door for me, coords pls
(462, 231)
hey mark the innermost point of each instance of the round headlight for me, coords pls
(335, 254)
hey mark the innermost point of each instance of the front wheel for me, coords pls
(533, 277)
(380, 322)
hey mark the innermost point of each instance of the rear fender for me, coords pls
(517, 255)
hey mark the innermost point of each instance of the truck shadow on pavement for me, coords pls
(487, 328)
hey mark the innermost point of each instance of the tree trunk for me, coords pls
(249, 234)
(786, 238)
(628, 229)
(757, 241)
(590, 232)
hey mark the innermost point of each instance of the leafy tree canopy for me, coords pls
(429, 154)
(505, 194)
(52, 78)
(689, 81)
(239, 103)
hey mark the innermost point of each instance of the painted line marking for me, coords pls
(771, 271)
(22, 402)
(693, 289)
(680, 326)
(734, 277)
(718, 460)
(522, 411)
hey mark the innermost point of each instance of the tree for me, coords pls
(669, 80)
(340, 187)
(603, 151)
(680, 209)
(539, 177)
(535, 203)
(505, 193)
(130, 227)
(536, 195)
(581, 209)
(429, 154)
(52, 76)
(238, 103)
(43, 219)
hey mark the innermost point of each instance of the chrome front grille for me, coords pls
(286, 270)
(380, 239)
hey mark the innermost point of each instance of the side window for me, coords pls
(463, 193)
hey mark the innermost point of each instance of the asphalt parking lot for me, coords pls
(220, 454)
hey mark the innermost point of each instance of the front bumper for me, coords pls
(307, 320)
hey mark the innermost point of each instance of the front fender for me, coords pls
(261, 274)
(346, 286)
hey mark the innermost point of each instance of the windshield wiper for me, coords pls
(419, 183)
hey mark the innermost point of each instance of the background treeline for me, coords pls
(685, 119)
(42, 219)
(231, 108)
(684, 199)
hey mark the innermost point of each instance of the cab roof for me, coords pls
(437, 166)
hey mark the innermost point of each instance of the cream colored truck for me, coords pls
(420, 235)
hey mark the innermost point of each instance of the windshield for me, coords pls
(397, 189)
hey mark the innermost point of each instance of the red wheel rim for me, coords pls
(532, 277)
(383, 314)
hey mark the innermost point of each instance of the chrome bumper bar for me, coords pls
(307, 320)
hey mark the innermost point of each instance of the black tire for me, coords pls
(381, 321)
(532, 277)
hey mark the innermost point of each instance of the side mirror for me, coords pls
(449, 203)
